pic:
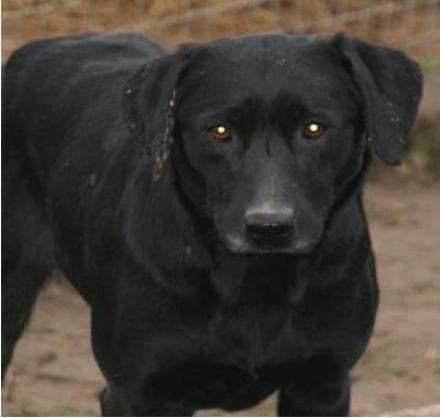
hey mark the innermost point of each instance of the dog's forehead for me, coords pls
(268, 63)
(261, 48)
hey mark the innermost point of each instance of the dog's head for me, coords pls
(264, 133)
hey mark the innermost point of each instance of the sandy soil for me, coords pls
(53, 371)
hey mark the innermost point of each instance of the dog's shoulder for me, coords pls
(93, 46)
(42, 67)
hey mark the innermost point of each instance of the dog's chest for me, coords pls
(232, 344)
(252, 337)
(253, 323)
(238, 359)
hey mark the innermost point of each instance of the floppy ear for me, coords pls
(150, 99)
(390, 85)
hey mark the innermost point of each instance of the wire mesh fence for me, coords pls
(407, 24)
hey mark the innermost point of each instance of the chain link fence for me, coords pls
(412, 25)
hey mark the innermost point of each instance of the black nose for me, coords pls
(269, 227)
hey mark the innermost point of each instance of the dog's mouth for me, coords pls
(242, 245)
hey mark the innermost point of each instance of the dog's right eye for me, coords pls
(314, 130)
(220, 133)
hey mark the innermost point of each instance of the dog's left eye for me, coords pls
(314, 130)
(220, 133)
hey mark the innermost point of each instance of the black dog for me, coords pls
(207, 204)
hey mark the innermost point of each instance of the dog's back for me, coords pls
(49, 81)
(59, 79)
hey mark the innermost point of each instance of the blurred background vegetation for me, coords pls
(410, 25)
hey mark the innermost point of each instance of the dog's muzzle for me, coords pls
(269, 229)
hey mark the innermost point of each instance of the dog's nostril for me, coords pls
(268, 231)
(269, 226)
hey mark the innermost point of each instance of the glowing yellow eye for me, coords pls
(220, 133)
(314, 130)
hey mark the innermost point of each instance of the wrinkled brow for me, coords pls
(240, 111)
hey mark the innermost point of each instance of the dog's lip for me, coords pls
(238, 246)
(252, 250)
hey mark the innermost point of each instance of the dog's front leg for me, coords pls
(316, 394)
(113, 405)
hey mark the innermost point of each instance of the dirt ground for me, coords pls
(53, 371)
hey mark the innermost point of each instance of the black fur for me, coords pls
(217, 272)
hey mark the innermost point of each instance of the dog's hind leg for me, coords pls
(27, 253)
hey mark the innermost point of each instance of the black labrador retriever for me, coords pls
(207, 204)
